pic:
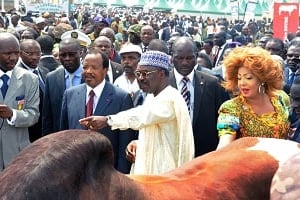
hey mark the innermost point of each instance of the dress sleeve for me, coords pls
(228, 120)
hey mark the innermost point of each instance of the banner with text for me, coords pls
(234, 9)
(250, 10)
(285, 19)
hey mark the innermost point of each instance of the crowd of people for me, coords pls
(163, 88)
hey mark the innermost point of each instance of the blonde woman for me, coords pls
(261, 109)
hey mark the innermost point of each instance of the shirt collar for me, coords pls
(27, 67)
(8, 73)
(77, 73)
(179, 77)
(97, 90)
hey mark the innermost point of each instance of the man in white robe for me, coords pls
(165, 132)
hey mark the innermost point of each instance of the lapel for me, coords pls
(60, 80)
(43, 72)
(116, 72)
(105, 99)
(286, 74)
(199, 85)
(14, 83)
(80, 97)
(58, 83)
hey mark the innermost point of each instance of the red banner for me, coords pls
(285, 20)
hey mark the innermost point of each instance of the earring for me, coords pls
(261, 88)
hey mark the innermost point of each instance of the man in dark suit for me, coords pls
(206, 94)
(29, 59)
(147, 35)
(220, 45)
(103, 44)
(65, 76)
(4, 19)
(47, 60)
(291, 71)
(169, 30)
(106, 100)
(114, 55)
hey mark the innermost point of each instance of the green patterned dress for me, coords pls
(237, 117)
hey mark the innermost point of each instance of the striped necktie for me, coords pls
(185, 92)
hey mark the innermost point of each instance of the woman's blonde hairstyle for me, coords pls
(259, 62)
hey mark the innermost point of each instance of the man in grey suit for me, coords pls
(98, 97)
(29, 59)
(19, 100)
(65, 76)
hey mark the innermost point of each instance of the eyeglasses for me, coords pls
(295, 56)
(30, 54)
(144, 74)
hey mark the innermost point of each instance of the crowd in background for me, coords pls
(257, 79)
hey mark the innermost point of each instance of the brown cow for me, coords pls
(77, 164)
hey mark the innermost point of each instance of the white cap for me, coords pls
(39, 20)
(82, 37)
(130, 48)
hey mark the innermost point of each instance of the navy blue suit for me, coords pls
(111, 101)
(54, 90)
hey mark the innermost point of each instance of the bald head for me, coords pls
(5, 36)
(182, 43)
(184, 55)
(70, 42)
(30, 52)
(158, 45)
(29, 43)
(103, 44)
(108, 32)
(9, 51)
(147, 34)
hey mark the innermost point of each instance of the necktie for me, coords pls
(90, 104)
(140, 99)
(41, 82)
(145, 49)
(291, 78)
(71, 77)
(216, 56)
(185, 92)
(107, 78)
(4, 87)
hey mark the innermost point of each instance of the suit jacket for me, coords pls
(138, 98)
(111, 101)
(49, 62)
(286, 76)
(22, 96)
(116, 58)
(54, 90)
(208, 96)
(219, 58)
(166, 33)
(5, 21)
(35, 131)
(117, 70)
